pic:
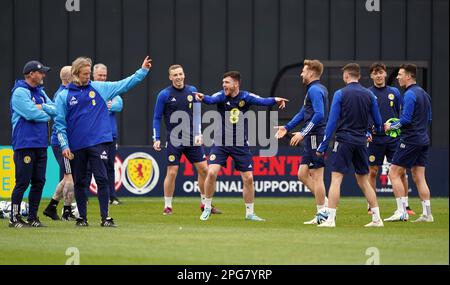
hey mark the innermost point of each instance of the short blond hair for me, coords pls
(66, 74)
(174, 66)
(314, 65)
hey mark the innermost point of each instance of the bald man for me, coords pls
(64, 189)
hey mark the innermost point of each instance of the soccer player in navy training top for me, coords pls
(412, 152)
(314, 113)
(64, 189)
(180, 97)
(350, 111)
(232, 103)
(31, 109)
(83, 126)
(390, 102)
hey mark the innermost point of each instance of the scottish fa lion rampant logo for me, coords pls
(141, 173)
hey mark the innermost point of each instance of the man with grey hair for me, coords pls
(100, 73)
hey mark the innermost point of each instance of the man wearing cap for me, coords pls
(31, 109)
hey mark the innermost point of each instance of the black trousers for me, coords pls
(31, 165)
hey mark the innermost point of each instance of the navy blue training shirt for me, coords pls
(389, 101)
(350, 111)
(416, 116)
(232, 111)
(170, 100)
(314, 110)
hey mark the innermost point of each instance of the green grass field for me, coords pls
(145, 236)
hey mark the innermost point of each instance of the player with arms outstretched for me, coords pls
(232, 103)
(83, 126)
(314, 113)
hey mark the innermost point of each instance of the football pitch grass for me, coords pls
(145, 236)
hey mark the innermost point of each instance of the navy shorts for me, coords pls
(409, 155)
(64, 163)
(345, 154)
(378, 151)
(309, 157)
(193, 153)
(243, 158)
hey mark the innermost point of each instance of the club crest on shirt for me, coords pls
(27, 159)
(171, 158)
(190, 98)
(241, 103)
(92, 94)
(372, 158)
(212, 157)
(391, 96)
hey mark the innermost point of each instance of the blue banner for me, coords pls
(140, 171)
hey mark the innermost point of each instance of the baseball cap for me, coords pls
(34, 65)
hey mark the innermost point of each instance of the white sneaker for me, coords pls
(327, 224)
(424, 218)
(398, 217)
(378, 224)
(205, 214)
(253, 217)
(311, 222)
